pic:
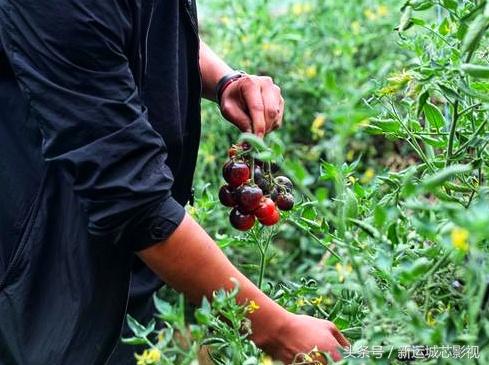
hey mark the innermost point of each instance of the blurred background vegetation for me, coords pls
(386, 140)
(328, 57)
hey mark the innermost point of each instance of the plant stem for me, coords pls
(317, 239)
(451, 137)
(433, 269)
(263, 259)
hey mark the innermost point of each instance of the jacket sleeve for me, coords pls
(70, 59)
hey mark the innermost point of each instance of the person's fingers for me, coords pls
(271, 101)
(336, 355)
(278, 123)
(251, 93)
(333, 350)
(236, 115)
(339, 337)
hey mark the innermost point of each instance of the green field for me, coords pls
(386, 139)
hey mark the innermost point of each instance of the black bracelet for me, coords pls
(225, 81)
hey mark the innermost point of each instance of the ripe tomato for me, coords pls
(241, 221)
(285, 201)
(227, 197)
(236, 173)
(265, 209)
(270, 219)
(249, 198)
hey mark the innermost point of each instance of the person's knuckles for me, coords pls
(248, 83)
(272, 114)
(266, 80)
(228, 107)
(256, 106)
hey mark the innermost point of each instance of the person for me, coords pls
(99, 131)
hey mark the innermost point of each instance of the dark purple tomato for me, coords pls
(249, 197)
(285, 201)
(241, 221)
(227, 197)
(236, 173)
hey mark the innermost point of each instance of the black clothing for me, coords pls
(99, 131)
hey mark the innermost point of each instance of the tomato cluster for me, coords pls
(252, 191)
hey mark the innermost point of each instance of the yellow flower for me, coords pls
(318, 300)
(400, 79)
(368, 176)
(148, 357)
(311, 72)
(266, 360)
(430, 320)
(301, 302)
(352, 179)
(350, 155)
(319, 121)
(299, 8)
(343, 271)
(356, 27)
(388, 90)
(460, 239)
(370, 14)
(364, 122)
(252, 307)
(382, 11)
(225, 20)
(209, 158)
(317, 126)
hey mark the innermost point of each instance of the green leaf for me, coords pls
(405, 19)
(479, 71)
(450, 4)
(164, 308)
(420, 5)
(421, 102)
(329, 171)
(435, 142)
(138, 329)
(134, 341)
(254, 141)
(367, 228)
(418, 21)
(434, 116)
(350, 208)
(415, 271)
(444, 27)
(476, 30)
(386, 125)
(444, 175)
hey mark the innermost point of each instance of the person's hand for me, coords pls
(302, 335)
(254, 104)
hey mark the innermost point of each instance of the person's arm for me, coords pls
(252, 103)
(69, 58)
(192, 263)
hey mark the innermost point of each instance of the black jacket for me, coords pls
(99, 130)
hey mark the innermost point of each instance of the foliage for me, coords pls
(386, 139)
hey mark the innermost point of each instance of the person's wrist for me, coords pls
(225, 81)
(268, 326)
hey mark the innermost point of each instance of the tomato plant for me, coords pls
(386, 142)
